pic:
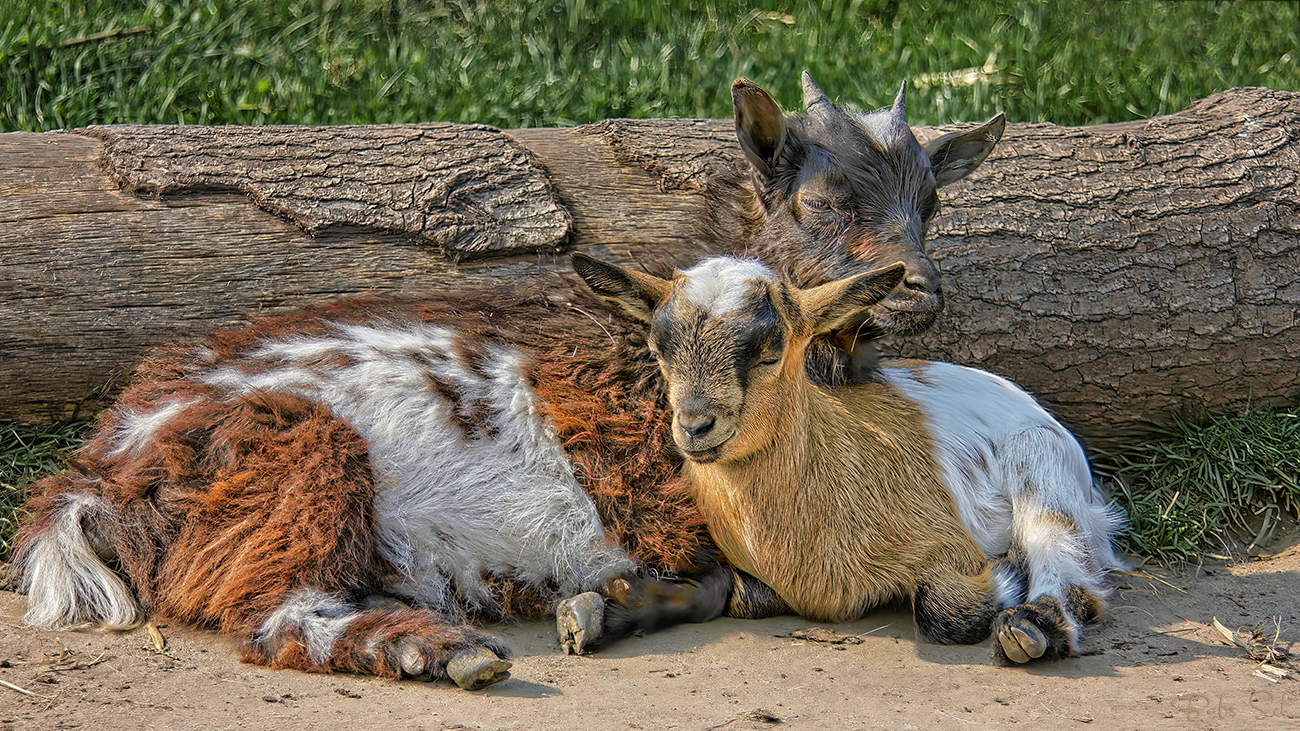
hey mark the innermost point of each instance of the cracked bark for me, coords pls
(1116, 271)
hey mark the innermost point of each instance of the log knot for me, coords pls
(469, 190)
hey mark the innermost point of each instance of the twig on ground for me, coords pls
(1145, 575)
(64, 664)
(1068, 718)
(757, 716)
(24, 691)
(1258, 647)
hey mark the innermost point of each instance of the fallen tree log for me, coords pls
(1117, 271)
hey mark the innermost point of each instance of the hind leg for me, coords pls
(319, 632)
(1044, 628)
(280, 542)
(1060, 589)
(1060, 538)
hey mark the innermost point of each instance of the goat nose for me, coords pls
(696, 426)
(921, 273)
(924, 279)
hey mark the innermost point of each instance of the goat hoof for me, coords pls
(580, 621)
(1022, 642)
(477, 668)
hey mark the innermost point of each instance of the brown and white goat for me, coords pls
(471, 454)
(829, 503)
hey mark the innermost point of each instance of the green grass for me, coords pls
(26, 454)
(559, 62)
(1207, 485)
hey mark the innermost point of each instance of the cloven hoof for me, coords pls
(580, 621)
(477, 669)
(1022, 642)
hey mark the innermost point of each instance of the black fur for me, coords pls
(752, 599)
(948, 617)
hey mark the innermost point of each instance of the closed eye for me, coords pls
(816, 204)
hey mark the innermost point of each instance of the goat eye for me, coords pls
(816, 204)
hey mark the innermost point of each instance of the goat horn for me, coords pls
(900, 103)
(812, 94)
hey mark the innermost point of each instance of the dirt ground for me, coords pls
(1155, 662)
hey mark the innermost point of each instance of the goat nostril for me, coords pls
(696, 427)
(921, 282)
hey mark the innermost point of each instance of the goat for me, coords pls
(832, 193)
(829, 503)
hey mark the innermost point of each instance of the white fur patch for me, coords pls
(1011, 468)
(449, 505)
(319, 618)
(1009, 586)
(66, 582)
(135, 430)
(718, 285)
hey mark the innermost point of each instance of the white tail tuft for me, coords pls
(66, 582)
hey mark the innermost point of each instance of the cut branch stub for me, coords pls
(683, 153)
(469, 190)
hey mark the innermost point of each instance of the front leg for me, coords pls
(631, 605)
(752, 599)
(637, 606)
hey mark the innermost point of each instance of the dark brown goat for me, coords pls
(833, 193)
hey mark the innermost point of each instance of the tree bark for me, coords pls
(1116, 271)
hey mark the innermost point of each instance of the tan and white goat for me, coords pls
(942, 484)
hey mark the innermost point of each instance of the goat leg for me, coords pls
(633, 605)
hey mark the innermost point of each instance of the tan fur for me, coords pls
(840, 516)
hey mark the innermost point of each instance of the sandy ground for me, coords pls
(1154, 663)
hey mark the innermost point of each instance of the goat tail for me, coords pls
(61, 561)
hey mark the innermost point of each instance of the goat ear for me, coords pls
(640, 294)
(954, 155)
(836, 305)
(760, 125)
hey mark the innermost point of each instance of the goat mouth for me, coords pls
(703, 456)
(912, 300)
(907, 313)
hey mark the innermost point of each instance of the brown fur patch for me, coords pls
(288, 506)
